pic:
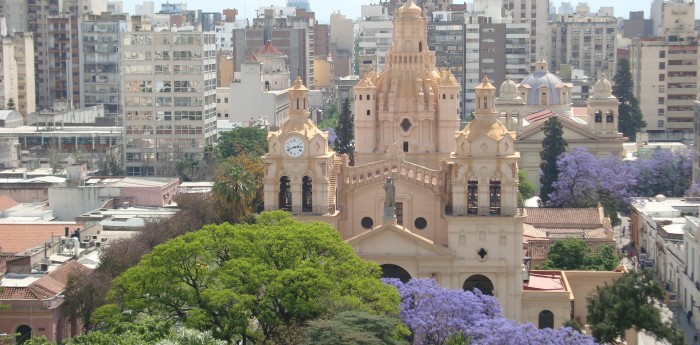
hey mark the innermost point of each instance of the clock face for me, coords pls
(294, 147)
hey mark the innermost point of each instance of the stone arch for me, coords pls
(479, 281)
(24, 333)
(609, 116)
(545, 319)
(285, 195)
(306, 194)
(395, 271)
(598, 116)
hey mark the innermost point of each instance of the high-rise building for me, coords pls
(374, 37)
(101, 61)
(665, 71)
(17, 72)
(446, 37)
(169, 99)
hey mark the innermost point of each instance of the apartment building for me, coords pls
(17, 72)
(169, 98)
(584, 40)
(100, 61)
(375, 30)
(665, 71)
(446, 32)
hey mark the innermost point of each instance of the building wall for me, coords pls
(342, 32)
(585, 41)
(322, 72)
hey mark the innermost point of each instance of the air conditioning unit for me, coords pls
(43, 267)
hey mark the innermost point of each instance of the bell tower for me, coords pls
(603, 109)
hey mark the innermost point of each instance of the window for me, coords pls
(367, 223)
(660, 124)
(472, 197)
(662, 111)
(662, 77)
(369, 112)
(495, 197)
(662, 65)
(598, 117)
(225, 99)
(661, 100)
(662, 54)
(405, 146)
(545, 319)
(420, 223)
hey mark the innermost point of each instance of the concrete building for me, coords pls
(17, 80)
(584, 40)
(665, 71)
(374, 30)
(169, 98)
(101, 61)
(637, 26)
(696, 137)
(145, 9)
(446, 37)
(115, 7)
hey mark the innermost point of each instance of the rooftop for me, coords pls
(545, 281)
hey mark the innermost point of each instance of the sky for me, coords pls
(351, 8)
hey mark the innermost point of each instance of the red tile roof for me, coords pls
(7, 202)
(269, 49)
(16, 238)
(564, 217)
(49, 285)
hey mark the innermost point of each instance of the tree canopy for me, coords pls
(553, 146)
(10, 104)
(630, 301)
(356, 328)
(574, 254)
(243, 140)
(665, 172)
(437, 315)
(254, 281)
(630, 120)
(238, 186)
(525, 187)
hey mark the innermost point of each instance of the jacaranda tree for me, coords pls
(665, 172)
(436, 315)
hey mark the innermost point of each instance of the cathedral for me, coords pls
(423, 198)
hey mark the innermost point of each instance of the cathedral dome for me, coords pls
(410, 10)
(602, 88)
(508, 90)
(542, 78)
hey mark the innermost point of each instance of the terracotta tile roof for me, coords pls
(269, 49)
(49, 285)
(538, 249)
(16, 238)
(564, 217)
(581, 232)
(7, 202)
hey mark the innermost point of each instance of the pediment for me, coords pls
(394, 240)
(571, 131)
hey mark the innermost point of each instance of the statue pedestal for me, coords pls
(389, 215)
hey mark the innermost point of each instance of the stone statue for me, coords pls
(390, 190)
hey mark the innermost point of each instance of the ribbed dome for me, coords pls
(538, 79)
(410, 10)
(602, 88)
(508, 89)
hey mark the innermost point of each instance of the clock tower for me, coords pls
(299, 165)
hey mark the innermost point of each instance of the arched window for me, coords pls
(24, 333)
(545, 320)
(420, 46)
(368, 98)
(285, 197)
(267, 85)
(609, 118)
(360, 97)
(298, 104)
(480, 282)
(368, 112)
(472, 197)
(394, 271)
(306, 195)
(495, 197)
(598, 117)
(486, 103)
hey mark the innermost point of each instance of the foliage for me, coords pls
(553, 145)
(10, 104)
(665, 172)
(8, 339)
(630, 119)
(440, 316)
(279, 272)
(185, 336)
(84, 294)
(525, 187)
(630, 301)
(355, 328)
(573, 254)
(243, 140)
(345, 142)
(693, 190)
(330, 116)
(238, 186)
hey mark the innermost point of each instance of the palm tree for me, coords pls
(237, 188)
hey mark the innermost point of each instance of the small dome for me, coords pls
(660, 198)
(410, 10)
(538, 79)
(509, 87)
(602, 88)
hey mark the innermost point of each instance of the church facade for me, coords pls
(451, 194)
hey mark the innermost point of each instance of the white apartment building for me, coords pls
(169, 98)
(224, 34)
(374, 33)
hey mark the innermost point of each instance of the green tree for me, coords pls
(238, 186)
(630, 119)
(355, 328)
(553, 145)
(345, 131)
(254, 281)
(574, 254)
(525, 187)
(330, 116)
(10, 104)
(629, 302)
(243, 140)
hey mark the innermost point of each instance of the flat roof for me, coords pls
(545, 281)
(32, 130)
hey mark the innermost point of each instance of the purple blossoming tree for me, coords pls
(665, 172)
(435, 315)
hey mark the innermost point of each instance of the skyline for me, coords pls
(351, 8)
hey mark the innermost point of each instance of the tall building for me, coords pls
(446, 37)
(342, 45)
(17, 80)
(374, 37)
(665, 71)
(101, 61)
(533, 12)
(169, 98)
(584, 40)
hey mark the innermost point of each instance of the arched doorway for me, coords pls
(285, 202)
(394, 271)
(545, 319)
(24, 333)
(306, 199)
(480, 282)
